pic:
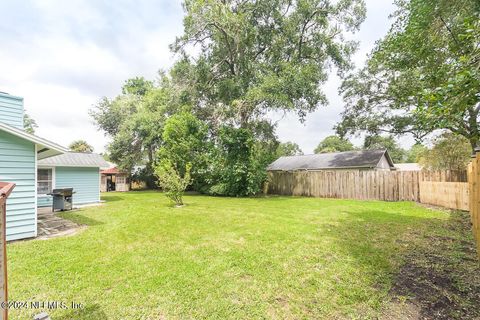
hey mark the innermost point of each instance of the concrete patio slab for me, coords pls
(49, 225)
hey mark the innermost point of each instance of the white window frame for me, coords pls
(123, 179)
(53, 180)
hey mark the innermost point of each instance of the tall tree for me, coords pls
(422, 76)
(265, 55)
(80, 146)
(334, 144)
(385, 142)
(255, 56)
(134, 120)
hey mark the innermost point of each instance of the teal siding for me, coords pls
(44, 201)
(17, 164)
(84, 181)
(11, 110)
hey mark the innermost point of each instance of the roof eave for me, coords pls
(45, 148)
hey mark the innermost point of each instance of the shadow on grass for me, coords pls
(441, 277)
(111, 198)
(440, 274)
(79, 218)
(89, 312)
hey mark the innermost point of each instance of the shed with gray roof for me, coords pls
(349, 160)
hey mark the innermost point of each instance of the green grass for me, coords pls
(218, 258)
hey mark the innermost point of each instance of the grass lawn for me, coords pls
(240, 258)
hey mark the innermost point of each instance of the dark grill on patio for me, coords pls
(62, 199)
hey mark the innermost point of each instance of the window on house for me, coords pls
(120, 180)
(44, 181)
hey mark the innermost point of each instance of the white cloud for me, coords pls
(63, 56)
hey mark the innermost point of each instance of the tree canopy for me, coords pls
(422, 76)
(288, 149)
(266, 55)
(334, 144)
(449, 152)
(250, 57)
(396, 152)
(134, 120)
(80, 146)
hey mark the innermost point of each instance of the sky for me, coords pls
(63, 56)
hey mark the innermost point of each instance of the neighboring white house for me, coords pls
(408, 166)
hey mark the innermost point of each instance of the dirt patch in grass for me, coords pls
(441, 277)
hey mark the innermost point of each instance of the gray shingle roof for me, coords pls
(337, 160)
(75, 159)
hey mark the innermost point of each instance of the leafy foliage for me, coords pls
(134, 120)
(29, 124)
(241, 170)
(185, 140)
(172, 182)
(423, 76)
(288, 149)
(270, 54)
(334, 144)
(251, 57)
(397, 154)
(450, 151)
(415, 152)
(138, 86)
(80, 146)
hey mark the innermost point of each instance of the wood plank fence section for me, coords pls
(361, 185)
(452, 195)
(474, 196)
(443, 175)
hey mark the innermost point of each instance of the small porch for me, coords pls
(114, 180)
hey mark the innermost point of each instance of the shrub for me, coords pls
(171, 182)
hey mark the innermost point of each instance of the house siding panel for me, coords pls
(17, 165)
(85, 182)
(11, 110)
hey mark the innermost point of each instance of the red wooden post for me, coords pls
(5, 190)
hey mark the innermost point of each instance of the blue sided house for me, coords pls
(37, 166)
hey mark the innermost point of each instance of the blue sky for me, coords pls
(63, 56)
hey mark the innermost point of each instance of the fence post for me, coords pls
(5, 190)
(474, 189)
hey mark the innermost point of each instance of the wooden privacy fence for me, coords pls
(474, 196)
(5, 190)
(453, 195)
(362, 185)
